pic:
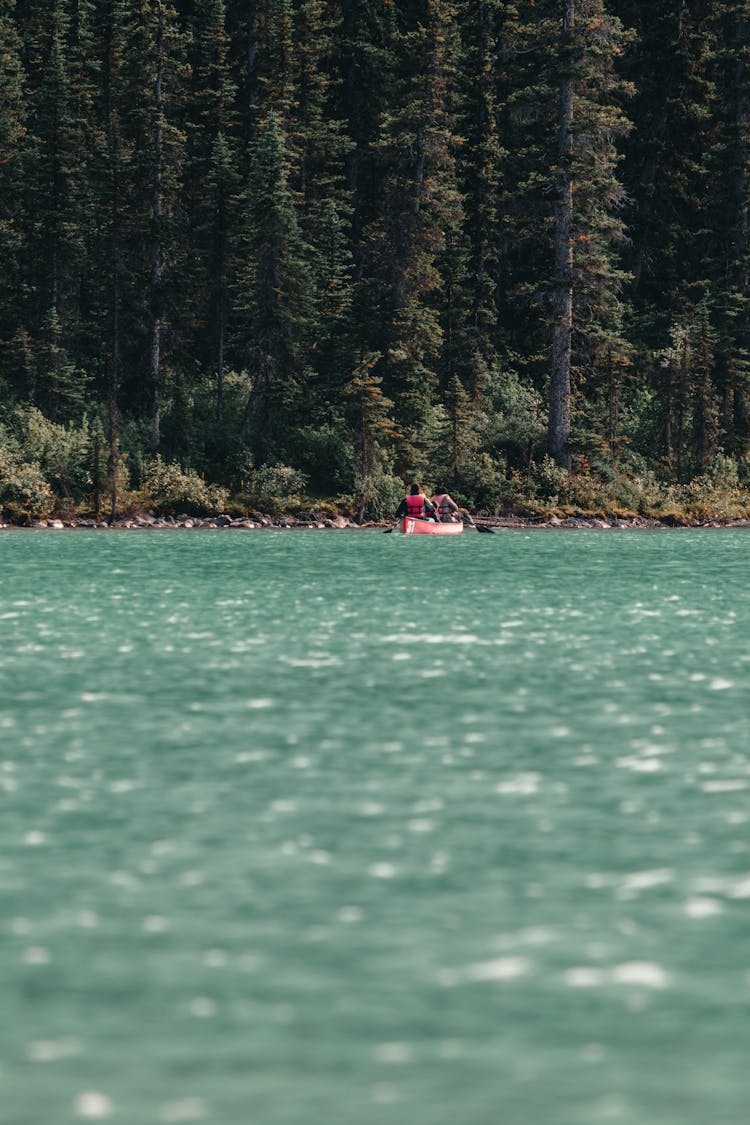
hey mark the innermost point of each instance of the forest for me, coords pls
(274, 254)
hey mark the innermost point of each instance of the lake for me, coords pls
(344, 828)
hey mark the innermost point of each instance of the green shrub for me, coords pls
(276, 489)
(716, 494)
(512, 423)
(24, 492)
(170, 489)
(484, 484)
(723, 474)
(585, 492)
(549, 479)
(379, 494)
(636, 494)
(63, 452)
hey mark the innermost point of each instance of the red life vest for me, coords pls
(415, 507)
(444, 510)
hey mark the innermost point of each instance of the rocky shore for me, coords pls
(186, 522)
(313, 520)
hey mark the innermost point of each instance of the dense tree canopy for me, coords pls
(502, 242)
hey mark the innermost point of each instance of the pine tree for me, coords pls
(689, 414)
(13, 111)
(587, 223)
(732, 228)
(373, 425)
(12, 101)
(274, 295)
(688, 178)
(318, 148)
(117, 156)
(368, 58)
(332, 331)
(260, 54)
(53, 236)
(483, 164)
(152, 116)
(562, 292)
(220, 188)
(213, 177)
(420, 206)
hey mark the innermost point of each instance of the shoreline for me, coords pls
(223, 522)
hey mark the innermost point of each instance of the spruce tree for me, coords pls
(152, 116)
(588, 223)
(319, 148)
(483, 165)
(333, 348)
(213, 182)
(420, 208)
(116, 233)
(368, 54)
(54, 238)
(13, 111)
(686, 174)
(731, 168)
(273, 296)
(12, 101)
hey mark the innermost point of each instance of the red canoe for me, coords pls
(409, 526)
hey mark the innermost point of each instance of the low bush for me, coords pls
(170, 489)
(379, 495)
(484, 484)
(24, 491)
(63, 452)
(275, 489)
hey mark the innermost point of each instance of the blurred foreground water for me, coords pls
(338, 828)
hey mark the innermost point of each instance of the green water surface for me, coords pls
(342, 828)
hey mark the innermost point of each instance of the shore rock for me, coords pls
(309, 520)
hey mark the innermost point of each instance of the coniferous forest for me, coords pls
(278, 253)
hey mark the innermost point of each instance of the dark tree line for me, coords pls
(376, 239)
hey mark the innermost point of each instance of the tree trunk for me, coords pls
(220, 359)
(614, 407)
(742, 156)
(114, 374)
(251, 73)
(668, 418)
(562, 296)
(157, 250)
(96, 474)
(221, 313)
(742, 235)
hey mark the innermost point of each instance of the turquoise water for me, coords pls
(309, 828)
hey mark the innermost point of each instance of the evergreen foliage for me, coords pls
(330, 246)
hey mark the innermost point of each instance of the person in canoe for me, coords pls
(445, 506)
(416, 506)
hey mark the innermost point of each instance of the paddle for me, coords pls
(480, 527)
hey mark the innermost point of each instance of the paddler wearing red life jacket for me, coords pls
(416, 505)
(445, 505)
